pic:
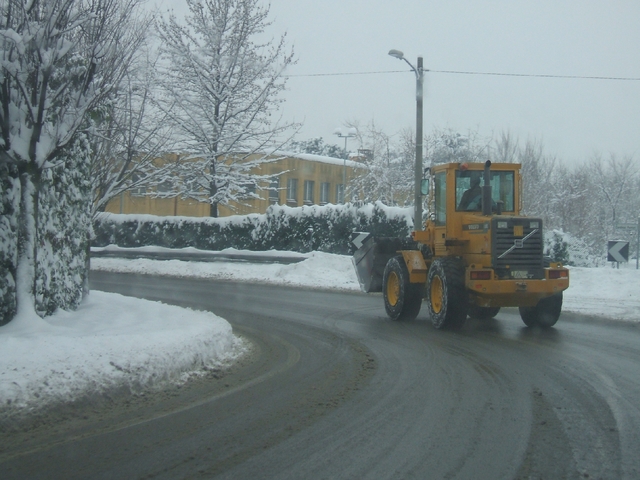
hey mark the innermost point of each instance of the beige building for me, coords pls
(296, 180)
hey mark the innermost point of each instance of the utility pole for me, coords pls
(419, 71)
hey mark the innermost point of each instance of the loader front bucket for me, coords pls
(371, 257)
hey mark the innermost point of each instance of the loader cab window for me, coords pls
(469, 192)
(440, 184)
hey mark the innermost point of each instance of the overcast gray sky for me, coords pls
(573, 117)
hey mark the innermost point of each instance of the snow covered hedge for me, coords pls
(323, 228)
(64, 220)
(62, 226)
(9, 200)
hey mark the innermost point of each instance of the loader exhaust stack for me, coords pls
(486, 189)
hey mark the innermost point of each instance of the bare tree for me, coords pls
(130, 136)
(538, 173)
(505, 149)
(224, 87)
(613, 182)
(59, 60)
(386, 175)
(446, 145)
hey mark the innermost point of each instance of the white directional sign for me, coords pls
(358, 238)
(617, 251)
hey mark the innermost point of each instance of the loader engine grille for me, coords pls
(517, 247)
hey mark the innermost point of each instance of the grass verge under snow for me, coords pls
(110, 342)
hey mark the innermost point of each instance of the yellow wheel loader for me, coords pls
(476, 254)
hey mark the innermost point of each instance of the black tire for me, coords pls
(446, 293)
(483, 313)
(545, 314)
(402, 299)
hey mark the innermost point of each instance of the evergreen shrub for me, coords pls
(64, 222)
(9, 200)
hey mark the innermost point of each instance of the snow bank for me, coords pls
(604, 292)
(110, 342)
(318, 270)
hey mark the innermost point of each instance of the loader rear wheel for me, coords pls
(402, 299)
(446, 293)
(483, 313)
(545, 314)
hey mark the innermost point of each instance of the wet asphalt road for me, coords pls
(334, 389)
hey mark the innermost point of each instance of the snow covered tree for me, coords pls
(505, 149)
(614, 182)
(63, 225)
(388, 174)
(541, 191)
(58, 60)
(223, 83)
(9, 206)
(446, 146)
(130, 135)
(317, 146)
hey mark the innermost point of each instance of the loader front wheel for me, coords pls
(446, 293)
(545, 314)
(402, 299)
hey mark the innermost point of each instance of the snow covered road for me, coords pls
(336, 390)
(114, 341)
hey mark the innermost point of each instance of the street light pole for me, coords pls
(638, 245)
(346, 136)
(419, 71)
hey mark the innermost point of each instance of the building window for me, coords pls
(137, 191)
(292, 190)
(340, 193)
(274, 190)
(164, 187)
(324, 193)
(247, 190)
(309, 185)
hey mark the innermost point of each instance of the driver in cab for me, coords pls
(472, 198)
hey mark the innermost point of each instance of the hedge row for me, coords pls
(321, 228)
(62, 223)
(9, 208)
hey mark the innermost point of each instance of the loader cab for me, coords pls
(455, 188)
(455, 200)
(468, 190)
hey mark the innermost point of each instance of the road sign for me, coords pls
(358, 238)
(617, 251)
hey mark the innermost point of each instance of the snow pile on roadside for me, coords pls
(318, 270)
(110, 342)
(604, 292)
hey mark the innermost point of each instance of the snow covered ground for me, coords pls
(116, 341)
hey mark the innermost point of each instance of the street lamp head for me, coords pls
(349, 134)
(397, 54)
